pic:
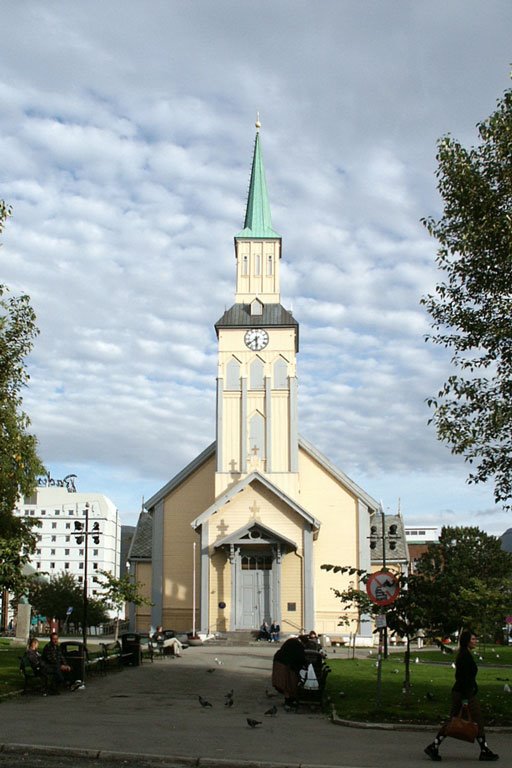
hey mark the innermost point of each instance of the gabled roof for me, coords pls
(400, 552)
(266, 535)
(182, 475)
(344, 479)
(141, 544)
(257, 222)
(356, 489)
(235, 489)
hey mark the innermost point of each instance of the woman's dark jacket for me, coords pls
(292, 654)
(465, 675)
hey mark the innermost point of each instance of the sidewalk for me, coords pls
(152, 713)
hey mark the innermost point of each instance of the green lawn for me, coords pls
(352, 688)
(11, 679)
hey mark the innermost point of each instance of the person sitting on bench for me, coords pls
(174, 645)
(53, 661)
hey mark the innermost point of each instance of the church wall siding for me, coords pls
(143, 572)
(181, 506)
(337, 540)
(291, 593)
(231, 436)
(280, 432)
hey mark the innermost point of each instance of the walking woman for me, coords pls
(464, 693)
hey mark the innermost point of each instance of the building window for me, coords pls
(54, 525)
(68, 526)
(52, 552)
(257, 436)
(233, 374)
(57, 511)
(80, 579)
(66, 551)
(38, 565)
(52, 565)
(80, 551)
(70, 513)
(256, 374)
(280, 374)
(38, 551)
(95, 566)
(95, 553)
(68, 538)
(66, 565)
(43, 512)
(270, 264)
(81, 566)
(257, 264)
(245, 264)
(54, 538)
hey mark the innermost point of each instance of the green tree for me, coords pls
(404, 617)
(471, 309)
(19, 462)
(118, 591)
(15, 551)
(52, 598)
(464, 578)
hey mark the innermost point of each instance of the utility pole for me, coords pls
(82, 534)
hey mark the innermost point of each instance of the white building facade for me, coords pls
(58, 508)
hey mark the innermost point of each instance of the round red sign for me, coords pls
(382, 588)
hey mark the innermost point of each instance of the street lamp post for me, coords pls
(82, 534)
(391, 536)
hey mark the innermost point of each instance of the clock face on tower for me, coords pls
(256, 339)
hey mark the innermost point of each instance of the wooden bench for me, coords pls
(32, 680)
(111, 655)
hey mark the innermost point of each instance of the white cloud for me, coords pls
(125, 147)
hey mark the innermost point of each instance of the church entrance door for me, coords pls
(255, 579)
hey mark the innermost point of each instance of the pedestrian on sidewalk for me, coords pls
(464, 694)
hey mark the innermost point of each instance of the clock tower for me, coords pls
(256, 425)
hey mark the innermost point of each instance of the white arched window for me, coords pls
(257, 436)
(280, 374)
(256, 374)
(233, 374)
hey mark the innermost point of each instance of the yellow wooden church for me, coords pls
(238, 536)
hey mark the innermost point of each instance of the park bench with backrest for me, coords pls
(35, 680)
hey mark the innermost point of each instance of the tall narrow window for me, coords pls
(245, 264)
(256, 374)
(233, 374)
(280, 374)
(270, 264)
(257, 264)
(257, 436)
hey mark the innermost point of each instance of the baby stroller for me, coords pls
(312, 680)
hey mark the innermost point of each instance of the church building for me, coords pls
(238, 536)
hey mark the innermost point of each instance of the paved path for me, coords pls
(153, 712)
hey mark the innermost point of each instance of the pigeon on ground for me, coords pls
(229, 703)
(211, 670)
(272, 711)
(268, 694)
(253, 723)
(203, 702)
(229, 694)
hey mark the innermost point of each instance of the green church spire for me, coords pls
(258, 222)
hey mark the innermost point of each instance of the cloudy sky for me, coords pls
(126, 136)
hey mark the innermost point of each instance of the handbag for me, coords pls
(462, 726)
